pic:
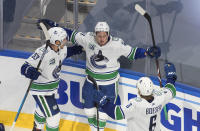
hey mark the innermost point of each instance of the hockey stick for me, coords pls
(31, 81)
(140, 10)
(147, 16)
(97, 106)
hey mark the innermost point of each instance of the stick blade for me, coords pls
(44, 29)
(139, 9)
(12, 127)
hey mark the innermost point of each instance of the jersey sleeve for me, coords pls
(129, 109)
(169, 92)
(112, 110)
(34, 59)
(64, 52)
(119, 112)
(127, 50)
(79, 38)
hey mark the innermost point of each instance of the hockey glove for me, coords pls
(47, 23)
(78, 49)
(100, 98)
(74, 50)
(170, 73)
(30, 72)
(154, 52)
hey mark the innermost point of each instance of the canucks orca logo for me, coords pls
(98, 60)
(56, 71)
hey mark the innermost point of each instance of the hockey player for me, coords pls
(143, 112)
(46, 80)
(102, 54)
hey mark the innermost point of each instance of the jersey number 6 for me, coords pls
(152, 124)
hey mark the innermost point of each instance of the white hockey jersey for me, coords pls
(142, 115)
(47, 82)
(102, 61)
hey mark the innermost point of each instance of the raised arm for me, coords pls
(28, 69)
(152, 52)
(169, 90)
(73, 36)
(117, 112)
(134, 53)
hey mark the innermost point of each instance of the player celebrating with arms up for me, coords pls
(143, 112)
(46, 80)
(102, 54)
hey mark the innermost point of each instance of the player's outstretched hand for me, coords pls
(48, 23)
(74, 50)
(170, 73)
(154, 52)
(30, 72)
(78, 49)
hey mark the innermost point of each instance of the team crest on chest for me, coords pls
(91, 46)
(52, 61)
(99, 60)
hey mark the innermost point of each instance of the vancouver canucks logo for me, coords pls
(98, 60)
(56, 71)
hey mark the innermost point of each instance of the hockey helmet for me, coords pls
(102, 27)
(145, 86)
(57, 34)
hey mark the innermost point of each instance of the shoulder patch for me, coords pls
(91, 33)
(41, 50)
(83, 34)
(115, 39)
(138, 99)
(52, 61)
(157, 93)
(118, 40)
(91, 46)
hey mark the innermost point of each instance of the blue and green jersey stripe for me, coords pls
(119, 115)
(171, 88)
(131, 56)
(72, 39)
(47, 86)
(102, 76)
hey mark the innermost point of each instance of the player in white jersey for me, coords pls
(46, 80)
(102, 54)
(143, 112)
